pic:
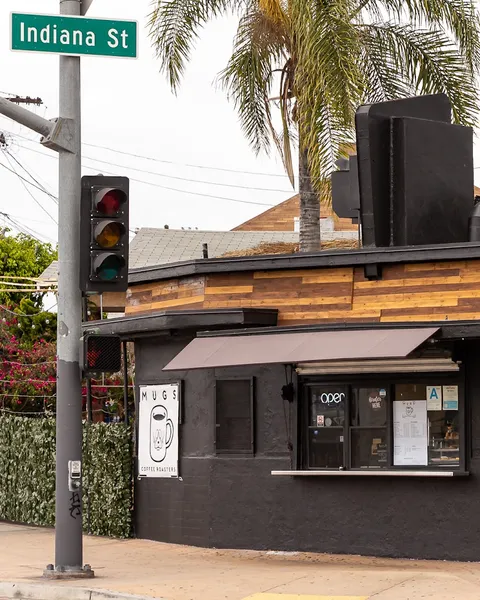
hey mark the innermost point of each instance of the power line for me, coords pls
(170, 162)
(29, 173)
(21, 217)
(20, 314)
(176, 177)
(22, 181)
(26, 180)
(164, 187)
(232, 185)
(29, 231)
(22, 228)
(172, 189)
(41, 186)
(158, 185)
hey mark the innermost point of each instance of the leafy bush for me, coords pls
(27, 474)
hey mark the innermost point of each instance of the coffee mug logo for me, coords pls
(161, 433)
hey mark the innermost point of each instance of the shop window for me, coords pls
(386, 426)
(368, 429)
(434, 427)
(234, 416)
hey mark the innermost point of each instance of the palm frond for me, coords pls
(174, 26)
(275, 11)
(458, 17)
(328, 81)
(248, 76)
(425, 60)
(286, 92)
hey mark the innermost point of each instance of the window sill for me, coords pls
(372, 473)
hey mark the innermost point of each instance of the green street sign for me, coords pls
(76, 36)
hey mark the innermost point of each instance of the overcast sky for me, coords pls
(128, 107)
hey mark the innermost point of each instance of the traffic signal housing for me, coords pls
(101, 354)
(104, 231)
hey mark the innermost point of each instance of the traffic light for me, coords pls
(101, 354)
(104, 234)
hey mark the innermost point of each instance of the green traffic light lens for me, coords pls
(110, 268)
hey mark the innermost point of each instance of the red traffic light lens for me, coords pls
(110, 202)
(109, 233)
(109, 266)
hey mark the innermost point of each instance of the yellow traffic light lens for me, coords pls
(109, 235)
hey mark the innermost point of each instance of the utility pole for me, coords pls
(63, 135)
(68, 506)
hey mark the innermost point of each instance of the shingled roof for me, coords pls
(151, 247)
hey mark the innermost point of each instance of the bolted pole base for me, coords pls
(64, 573)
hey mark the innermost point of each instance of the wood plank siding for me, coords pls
(282, 218)
(407, 292)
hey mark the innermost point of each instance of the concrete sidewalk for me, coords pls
(187, 573)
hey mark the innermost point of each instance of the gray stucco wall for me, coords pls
(237, 503)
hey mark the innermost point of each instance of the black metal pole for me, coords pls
(125, 381)
(89, 401)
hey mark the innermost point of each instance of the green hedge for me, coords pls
(27, 474)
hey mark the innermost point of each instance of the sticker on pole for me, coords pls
(74, 36)
(158, 430)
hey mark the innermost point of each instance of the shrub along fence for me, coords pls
(27, 474)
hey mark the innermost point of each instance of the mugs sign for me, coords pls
(158, 430)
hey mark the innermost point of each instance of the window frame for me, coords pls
(236, 452)
(387, 380)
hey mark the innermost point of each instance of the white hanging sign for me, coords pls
(410, 433)
(158, 430)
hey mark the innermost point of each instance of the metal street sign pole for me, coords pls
(68, 506)
(64, 136)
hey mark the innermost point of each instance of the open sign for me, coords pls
(332, 398)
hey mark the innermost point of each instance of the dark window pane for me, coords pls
(369, 448)
(327, 406)
(233, 416)
(410, 391)
(369, 406)
(444, 438)
(325, 447)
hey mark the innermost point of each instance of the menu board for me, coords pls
(410, 433)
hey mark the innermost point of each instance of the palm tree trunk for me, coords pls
(309, 208)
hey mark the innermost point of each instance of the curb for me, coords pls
(33, 591)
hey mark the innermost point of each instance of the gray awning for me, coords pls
(299, 347)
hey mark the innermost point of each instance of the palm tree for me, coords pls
(324, 58)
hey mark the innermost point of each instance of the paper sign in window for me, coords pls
(410, 433)
(434, 397)
(450, 397)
